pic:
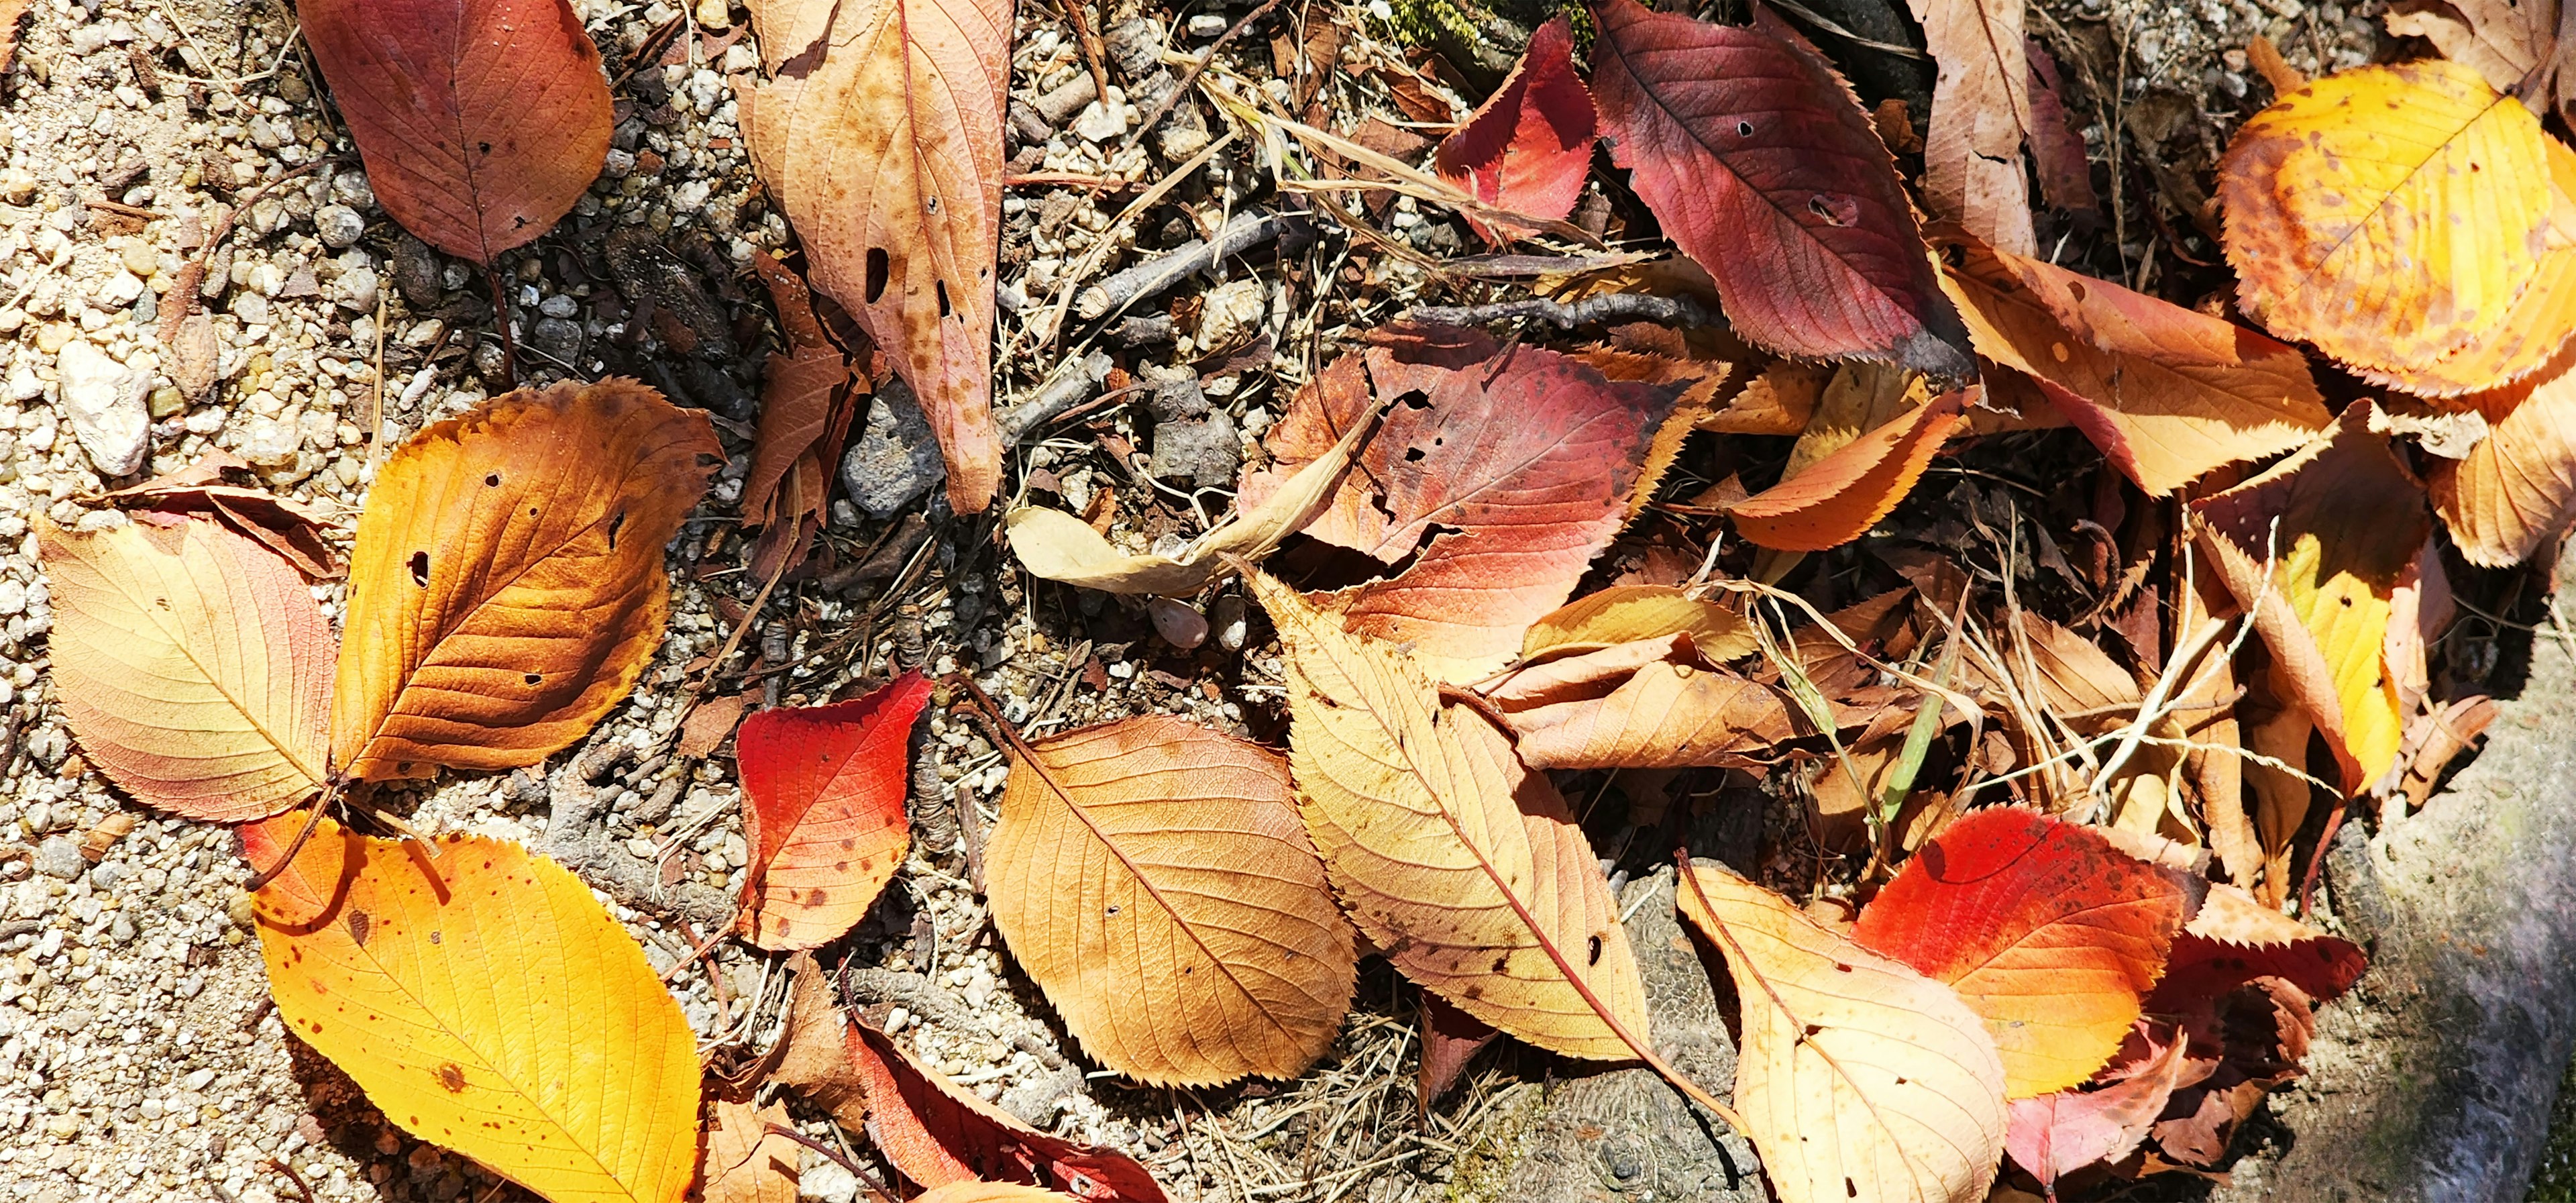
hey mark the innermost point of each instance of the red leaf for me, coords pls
(936, 1133)
(823, 812)
(2047, 931)
(1761, 165)
(1530, 146)
(2234, 940)
(2056, 141)
(480, 121)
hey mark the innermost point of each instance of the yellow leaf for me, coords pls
(1859, 1079)
(485, 1002)
(1152, 877)
(1464, 867)
(2531, 333)
(192, 663)
(2387, 214)
(1626, 613)
(507, 586)
(745, 1162)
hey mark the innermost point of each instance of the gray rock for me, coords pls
(107, 407)
(1135, 46)
(338, 226)
(59, 857)
(894, 459)
(1204, 451)
(556, 337)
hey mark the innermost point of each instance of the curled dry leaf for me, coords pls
(1627, 613)
(813, 1055)
(418, 978)
(2167, 393)
(2048, 933)
(191, 664)
(1858, 1078)
(1651, 703)
(745, 1162)
(1500, 476)
(1981, 116)
(1839, 497)
(879, 130)
(223, 486)
(2503, 40)
(1760, 164)
(2057, 1134)
(806, 401)
(1530, 147)
(1152, 876)
(2339, 526)
(481, 121)
(2517, 488)
(938, 1134)
(823, 813)
(507, 585)
(1464, 867)
(2387, 214)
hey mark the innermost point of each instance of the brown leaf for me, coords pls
(191, 664)
(1450, 1039)
(815, 1056)
(1653, 703)
(1153, 878)
(223, 486)
(1626, 613)
(1465, 868)
(2517, 488)
(2057, 139)
(1840, 496)
(1981, 115)
(2167, 393)
(744, 1162)
(804, 402)
(879, 131)
(507, 585)
(710, 722)
(481, 121)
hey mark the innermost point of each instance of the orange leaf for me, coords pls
(1839, 497)
(191, 664)
(879, 130)
(2517, 488)
(2388, 214)
(1858, 1078)
(938, 1134)
(2167, 393)
(990, 1192)
(481, 121)
(1652, 703)
(2531, 334)
(2339, 526)
(1625, 613)
(823, 790)
(507, 585)
(1152, 876)
(1466, 868)
(486, 1002)
(2049, 933)
(745, 1162)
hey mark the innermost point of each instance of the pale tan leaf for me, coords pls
(1858, 1078)
(191, 663)
(744, 1162)
(1465, 868)
(1972, 168)
(1152, 876)
(1652, 703)
(2517, 488)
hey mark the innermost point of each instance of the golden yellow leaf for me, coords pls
(1464, 867)
(2532, 331)
(745, 1162)
(2339, 526)
(507, 586)
(485, 1002)
(1153, 878)
(2517, 488)
(1858, 1078)
(2388, 214)
(192, 663)
(1625, 613)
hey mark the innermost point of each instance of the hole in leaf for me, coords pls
(492, 480)
(1592, 951)
(420, 569)
(534, 678)
(878, 268)
(941, 287)
(1744, 129)
(1413, 455)
(615, 521)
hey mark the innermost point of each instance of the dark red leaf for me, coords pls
(1760, 164)
(2056, 141)
(936, 1133)
(1530, 147)
(1450, 1039)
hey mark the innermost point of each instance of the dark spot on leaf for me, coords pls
(534, 678)
(1812, 1029)
(941, 287)
(491, 480)
(451, 1077)
(1744, 129)
(358, 927)
(1592, 951)
(616, 522)
(420, 569)
(1413, 455)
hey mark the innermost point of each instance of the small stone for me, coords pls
(894, 458)
(268, 442)
(17, 186)
(359, 287)
(560, 304)
(557, 338)
(58, 857)
(1227, 616)
(715, 14)
(1233, 314)
(106, 406)
(167, 402)
(139, 259)
(827, 1182)
(338, 226)
(1207, 25)
(1205, 451)
(1101, 123)
(1177, 622)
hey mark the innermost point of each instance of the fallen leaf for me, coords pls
(2388, 214)
(2234, 939)
(2168, 394)
(2057, 1134)
(745, 1163)
(1450, 1039)
(2338, 527)
(2064, 167)
(1760, 164)
(10, 13)
(2502, 40)
(1466, 869)
(1627, 613)
(1858, 1078)
(1652, 703)
(879, 131)
(823, 815)
(710, 723)
(2517, 489)
(990, 1192)
(1981, 116)
(480, 121)
(814, 1051)
(1499, 475)
(222, 486)
(2048, 933)
(1152, 876)
(1840, 496)
(420, 979)
(2258, 1035)
(938, 1134)
(1530, 147)
(2529, 336)
(806, 402)
(1779, 401)
(507, 586)
(192, 665)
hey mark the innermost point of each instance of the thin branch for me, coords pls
(1567, 315)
